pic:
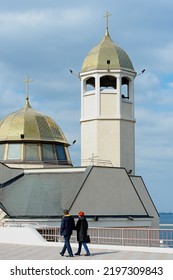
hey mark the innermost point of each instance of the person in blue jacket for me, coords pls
(66, 229)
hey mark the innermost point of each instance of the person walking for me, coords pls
(66, 229)
(82, 237)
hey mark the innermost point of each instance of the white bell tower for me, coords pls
(107, 107)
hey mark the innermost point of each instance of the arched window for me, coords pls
(125, 88)
(108, 82)
(90, 84)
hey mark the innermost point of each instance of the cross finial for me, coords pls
(27, 81)
(107, 17)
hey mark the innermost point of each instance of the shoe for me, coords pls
(77, 254)
(87, 254)
(61, 254)
(69, 256)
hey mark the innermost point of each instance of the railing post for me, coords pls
(122, 237)
(148, 237)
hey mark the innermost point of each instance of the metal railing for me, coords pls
(111, 236)
(118, 236)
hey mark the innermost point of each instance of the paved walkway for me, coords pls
(98, 252)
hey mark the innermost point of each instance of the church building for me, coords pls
(37, 177)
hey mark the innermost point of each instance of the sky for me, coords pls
(43, 39)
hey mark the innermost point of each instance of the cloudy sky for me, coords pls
(46, 38)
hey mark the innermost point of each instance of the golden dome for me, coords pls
(30, 125)
(106, 51)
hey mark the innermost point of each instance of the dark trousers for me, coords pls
(80, 243)
(67, 246)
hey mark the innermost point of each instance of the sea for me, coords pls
(166, 224)
(165, 220)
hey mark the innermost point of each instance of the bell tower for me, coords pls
(107, 106)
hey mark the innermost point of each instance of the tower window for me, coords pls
(108, 82)
(125, 88)
(90, 84)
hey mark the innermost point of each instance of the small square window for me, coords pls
(31, 152)
(2, 146)
(14, 151)
(47, 152)
(61, 155)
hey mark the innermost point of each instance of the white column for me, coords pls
(98, 97)
(119, 101)
(131, 89)
(82, 97)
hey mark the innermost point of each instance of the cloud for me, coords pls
(164, 57)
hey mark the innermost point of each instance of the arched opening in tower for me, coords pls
(125, 88)
(108, 81)
(90, 84)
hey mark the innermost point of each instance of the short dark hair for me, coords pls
(66, 211)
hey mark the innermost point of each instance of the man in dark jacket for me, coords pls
(67, 226)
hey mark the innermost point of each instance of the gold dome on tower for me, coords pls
(107, 55)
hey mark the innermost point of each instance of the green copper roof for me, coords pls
(107, 50)
(34, 125)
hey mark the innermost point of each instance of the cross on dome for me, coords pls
(27, 81)
(107, 18)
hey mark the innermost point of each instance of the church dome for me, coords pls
(30, 139)
(30, 125)
(106, 52)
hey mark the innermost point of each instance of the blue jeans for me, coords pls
(85, 247)
(67, 246)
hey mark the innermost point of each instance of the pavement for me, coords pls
(10, 251)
